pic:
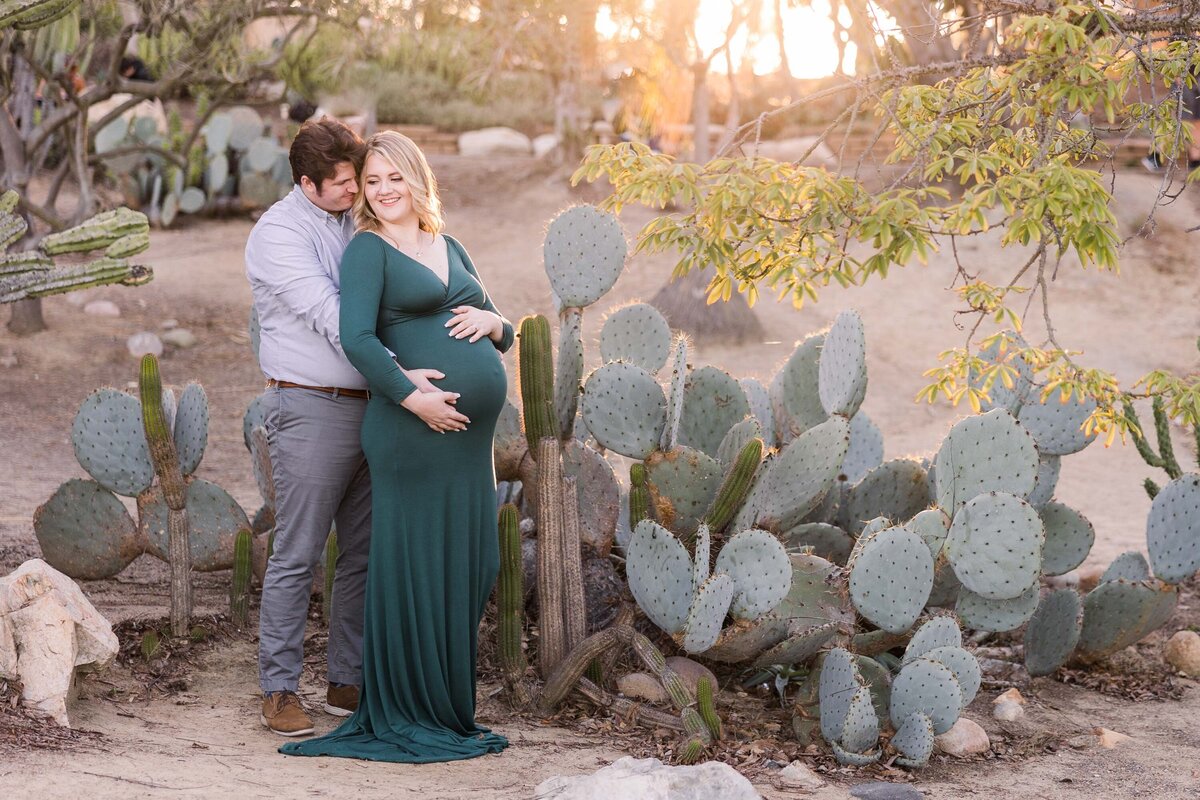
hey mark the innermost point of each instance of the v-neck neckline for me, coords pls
(446, 242)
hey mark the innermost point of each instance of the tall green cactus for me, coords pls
(166, 466)
(239, 587)
(736, 486)
(535, 366)
(510, 598)
(640, 507)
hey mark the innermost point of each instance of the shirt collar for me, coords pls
(315, 210)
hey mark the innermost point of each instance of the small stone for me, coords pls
(169, 324)
(966, 738)
(691, 673)
(642, 686)
(797, 775)
(1110, 739)
(1008, 711)
(878, 790)
(102, 308)
(1182, 652)
(1013, 695)
(181, 338)
(144, 343)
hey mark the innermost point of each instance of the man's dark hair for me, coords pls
(320, 146)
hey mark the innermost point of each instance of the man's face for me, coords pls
(336, 193)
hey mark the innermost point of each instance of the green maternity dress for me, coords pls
(434, 552)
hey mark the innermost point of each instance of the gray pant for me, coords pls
(320, 477)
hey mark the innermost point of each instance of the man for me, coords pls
(316, 410)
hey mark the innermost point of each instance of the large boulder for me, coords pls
(48, 630)
(650, 779)
(494, 142)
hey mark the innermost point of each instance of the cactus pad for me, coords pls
(660, 575)
(860, 731)
(701, 557)
(584, 254)
(191, 427)
(937, 632)
(890, 579)
(842, 367)
(1009, 398)
(624, 409)
(995, 545)
(793, 483)
(964, 666)
(827, 541)
(927, 687)
(260, 459)
(736, 439)
(510, 444)
(713, 402)
(1047, 481)
(599, 494)
(897, 489)
(838, 684)
(110, 443)
(1131, 566)
(995, 616)
(706, 616)
(798, 387)
(1119, 613)
(637, 333)
(914, 741)
(984, 453)
(256, 414)
(760, 406)
(677, 386)
(800, 647)
(85, 532)
(933, 526)
(214, 519)
(1057, 427)
(1069, 538)
(1173, 529)
(761, 571)
(568, 371)
(1053, 632)
(866, 448)
(683, 483)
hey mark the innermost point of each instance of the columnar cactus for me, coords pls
(239, 586)
(510, 598)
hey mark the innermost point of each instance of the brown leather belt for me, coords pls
(359, 394)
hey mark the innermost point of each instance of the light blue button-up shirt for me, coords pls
(292, 260)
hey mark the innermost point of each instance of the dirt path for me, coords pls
(206, 742)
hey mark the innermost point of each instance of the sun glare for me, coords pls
(808, 33)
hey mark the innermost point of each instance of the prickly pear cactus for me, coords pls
(995, 545)
(760, 407)
(1069, 538)
(1172, 529)
(866, 448)
(625, 409)
(215, 519)
(584, 254)
(890, 579)
(1012, 394)
(713, 402)
(964, 666)
(737, 438)
(1119, 613)
(798, 403)
(659, 570)
(842, 367)
(936, 632)
(637, 333)
(110, 444)
(1131, 566)
(761, 572)
(995, 616)
(191, 427)
(822, 539)
(1057, 427)
(568, 370)
(985, 453)
(683, 483)
(706, 616)
(1047, 481)
(1053, 632)
(927, 687)
(897, 489)
(914, 741)
(839, 682)
(85, 532)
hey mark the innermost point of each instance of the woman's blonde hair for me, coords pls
(406, 158)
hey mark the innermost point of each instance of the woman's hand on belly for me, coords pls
(436, 409)
(421, 378)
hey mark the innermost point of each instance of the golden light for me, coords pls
(809, 39)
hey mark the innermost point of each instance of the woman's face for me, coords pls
(386, 191)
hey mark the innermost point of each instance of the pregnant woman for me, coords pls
(410, 290)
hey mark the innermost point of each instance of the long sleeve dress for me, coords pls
(434, 552)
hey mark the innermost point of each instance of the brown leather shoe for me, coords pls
(341, 701)
(283, 714)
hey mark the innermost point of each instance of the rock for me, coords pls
(1009, 706)
(966, 738)
(794, 149)
(691, 672)
(650, 779)
(544, 145)
(144, 343)
(878, 790)
(169, 324)
(180, 338)
(78, 298)
(642, 686)
(1110, 739)
(1182, 652)
(48, 629)
(494, 142)
(102, 308)
(797, 775)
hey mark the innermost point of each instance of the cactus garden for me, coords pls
(852, 450)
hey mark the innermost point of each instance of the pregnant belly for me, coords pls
(474, 370)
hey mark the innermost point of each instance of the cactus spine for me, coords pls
(736, 486)
(331, 557)
(166, 465)
(536, 373)
(510, 598)
(239, 587)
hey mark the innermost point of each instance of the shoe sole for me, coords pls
(337, 711)
(303, 732)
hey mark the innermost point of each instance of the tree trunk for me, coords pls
(701, 149)
(27, 317)
(684, 303)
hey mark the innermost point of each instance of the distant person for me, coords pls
(133, 68)
(1190, 99)
(301, 111)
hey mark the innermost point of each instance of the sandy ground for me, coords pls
(206, 741)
